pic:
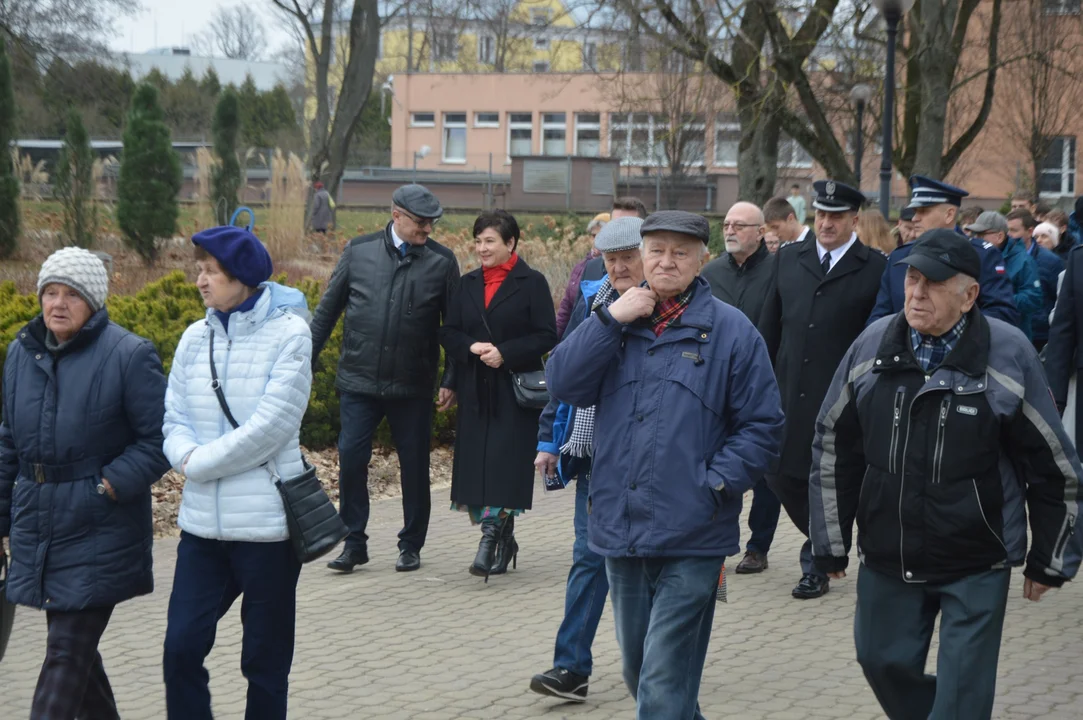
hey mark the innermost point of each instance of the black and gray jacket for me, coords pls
(941, 470)
(394, 307)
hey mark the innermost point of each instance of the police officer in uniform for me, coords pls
(936, 205)
(821, 293)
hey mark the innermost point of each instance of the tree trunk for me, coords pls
(938, 66)
(757, 154)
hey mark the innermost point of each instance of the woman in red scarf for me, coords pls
(500, 321)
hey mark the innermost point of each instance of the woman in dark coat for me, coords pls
(500, 321)
(80, 446)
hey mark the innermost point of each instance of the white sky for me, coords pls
(163, 23)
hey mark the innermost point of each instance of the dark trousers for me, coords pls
(793, 494)
(411, 429)
(584, 597)
(762, 518)
(72, 683)
(210, 575)
(663, 609)
(893, 627)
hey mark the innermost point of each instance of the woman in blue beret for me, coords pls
(500, 321)
(234, 540)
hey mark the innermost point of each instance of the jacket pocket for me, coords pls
(700, 375)
(896, 423)
(878, 515)
(960, 530)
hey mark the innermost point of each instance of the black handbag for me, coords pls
(531, 390)
(314, 523)
(7, 610)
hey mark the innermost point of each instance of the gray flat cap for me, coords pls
(619, 235)
(677, 221)
(418, 200)
(990, 220)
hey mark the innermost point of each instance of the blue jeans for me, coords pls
(210, 574)
(762, 518)
(893, 627)
(663, 609)
(584, 598)
(411, 429)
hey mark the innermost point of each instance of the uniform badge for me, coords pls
(829, 188)
(1000, 269)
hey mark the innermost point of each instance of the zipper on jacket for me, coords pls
(222, 430)
(1062, 540)
(938, 453)
(977, 498)
(410, 299)
(893, 446)
(902, 490)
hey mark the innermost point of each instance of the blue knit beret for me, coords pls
(238, 251)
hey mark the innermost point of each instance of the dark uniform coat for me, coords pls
(809, 322)
(496, 440)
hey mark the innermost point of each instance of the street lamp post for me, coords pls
(892, 11)
(421, 153)
(859, 95)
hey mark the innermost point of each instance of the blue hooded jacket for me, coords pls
(686, 422)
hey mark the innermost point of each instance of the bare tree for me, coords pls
(332, 127)
(235, 32)
(1045, 84)
(47, 28)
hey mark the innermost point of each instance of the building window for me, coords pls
(637, 138)
(590, 56)
(541, 66)
(541, 43)
(1058, 168)
(1060, 7)
(486, 119)
(554, 134)
(539, 16)
(727, 138)
(423, 119)
(588, 134)
(445, 46)
(692, 141)
(520, 134)
(792, 155)
(455, 137)
(487, 50)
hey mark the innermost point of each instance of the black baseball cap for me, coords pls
(940, 254)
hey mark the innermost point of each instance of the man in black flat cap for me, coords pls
(820, 296)
(395, 286)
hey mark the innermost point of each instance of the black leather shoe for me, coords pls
(560, 683)
(408, 560)
(811, 586)
(752, 562)
(348, 560)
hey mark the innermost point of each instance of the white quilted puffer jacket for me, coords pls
(264, 364)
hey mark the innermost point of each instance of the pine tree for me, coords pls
(150, 177)
(9, 184)
(74, 185)
(226, 176)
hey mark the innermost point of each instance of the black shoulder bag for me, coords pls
(531, 390)
(314, 523)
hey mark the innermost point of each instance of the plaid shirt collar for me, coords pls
(930, 351)
(668, 311)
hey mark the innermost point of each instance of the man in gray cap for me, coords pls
(394, 286)
(565, 449)
(992, 227)
(687, 418)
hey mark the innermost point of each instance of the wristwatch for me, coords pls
(101, 488)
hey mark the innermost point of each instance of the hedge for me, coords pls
(163, 309)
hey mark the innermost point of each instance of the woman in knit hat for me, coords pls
(80, 446)
(254, 347)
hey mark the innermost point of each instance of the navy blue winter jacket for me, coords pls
(1050, 267)
(685, 423)
(93, 410)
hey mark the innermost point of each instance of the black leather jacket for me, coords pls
(394, 307)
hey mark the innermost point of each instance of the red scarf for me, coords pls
(494, 277)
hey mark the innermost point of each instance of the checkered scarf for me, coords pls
(581, 442)
(666, 312)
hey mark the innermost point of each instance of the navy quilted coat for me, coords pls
(94, 410)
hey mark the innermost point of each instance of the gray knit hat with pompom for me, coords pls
(79, 269)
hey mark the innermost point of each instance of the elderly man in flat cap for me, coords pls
(394, 286)
(940, 436)
(687, 417)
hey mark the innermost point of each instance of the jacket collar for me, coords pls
(508, 288)
(752, 261)
(696, 322)
(970, 355)
(33, 335)
(854, 259)
(411, 250)
(244, 322)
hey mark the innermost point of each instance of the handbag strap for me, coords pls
(216, 385)
(493, 339)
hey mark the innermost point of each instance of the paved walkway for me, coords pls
(439, 644)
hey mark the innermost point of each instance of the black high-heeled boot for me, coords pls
(490, 537)
(507, 550)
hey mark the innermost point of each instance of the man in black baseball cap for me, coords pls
(936, 305)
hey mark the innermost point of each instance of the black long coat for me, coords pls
(809, 322)
(495, 439)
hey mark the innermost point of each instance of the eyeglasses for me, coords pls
(737, 225)
(421, 222)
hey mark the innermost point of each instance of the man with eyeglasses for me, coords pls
(820, 294)
(394, 286)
